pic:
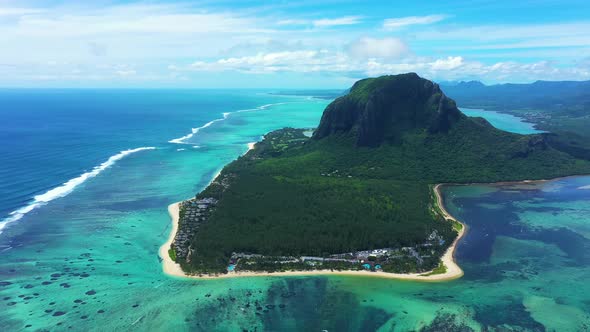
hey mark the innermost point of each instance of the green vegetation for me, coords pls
(332, 194)
(172, 254)
(440, 269)
(562, 108)
(269, 264)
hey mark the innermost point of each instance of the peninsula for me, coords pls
(361, 196)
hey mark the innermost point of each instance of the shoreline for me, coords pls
(453, 271)
(169, 266)
(516, 182)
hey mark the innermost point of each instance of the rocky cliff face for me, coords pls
(384, 108)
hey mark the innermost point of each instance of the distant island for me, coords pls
(361, 196)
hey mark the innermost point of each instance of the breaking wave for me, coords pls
(67, 187)
(183, 139)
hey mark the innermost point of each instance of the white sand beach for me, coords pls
(170, 266)
(453, 270)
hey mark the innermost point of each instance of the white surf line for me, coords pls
(263, 107)
(183, 139)
(67, 187)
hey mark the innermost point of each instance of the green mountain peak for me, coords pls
(383, 109)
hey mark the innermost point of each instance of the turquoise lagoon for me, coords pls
(503, 121)
(88, 260)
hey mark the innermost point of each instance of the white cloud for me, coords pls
(150, 33)
(365, 48)
(15, 11)
(449, 68)
(126, 73)
(293, 22)
(396, 23)
(449, 63)
(147, 19)
(323, 22)
(265, 62)
(159, 39)
(330, 22)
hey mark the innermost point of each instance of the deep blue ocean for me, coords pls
(48, 137)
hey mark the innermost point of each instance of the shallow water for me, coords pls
(503, 121)
(90, 261)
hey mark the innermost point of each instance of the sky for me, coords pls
(288, 44)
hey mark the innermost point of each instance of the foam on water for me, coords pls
(67, 187)
(70, 185)
(183, 139)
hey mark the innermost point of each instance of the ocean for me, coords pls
(86, 177)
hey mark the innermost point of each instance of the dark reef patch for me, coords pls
(446, 322)
(510, 311)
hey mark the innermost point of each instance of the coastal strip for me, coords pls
(168, 265)
(452, 271)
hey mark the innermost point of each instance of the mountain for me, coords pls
(559, 107)
(383, 109)
(320, 94)
(543, 95)
(362, 182)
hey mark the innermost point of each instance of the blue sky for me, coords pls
(288, 44)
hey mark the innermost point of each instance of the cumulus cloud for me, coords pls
(397, 23)
(366, 48)
(332, 62)
(155, 39)
(304, 60)
(449, 63)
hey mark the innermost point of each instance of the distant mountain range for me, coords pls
(559, 107)
(541, 95)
